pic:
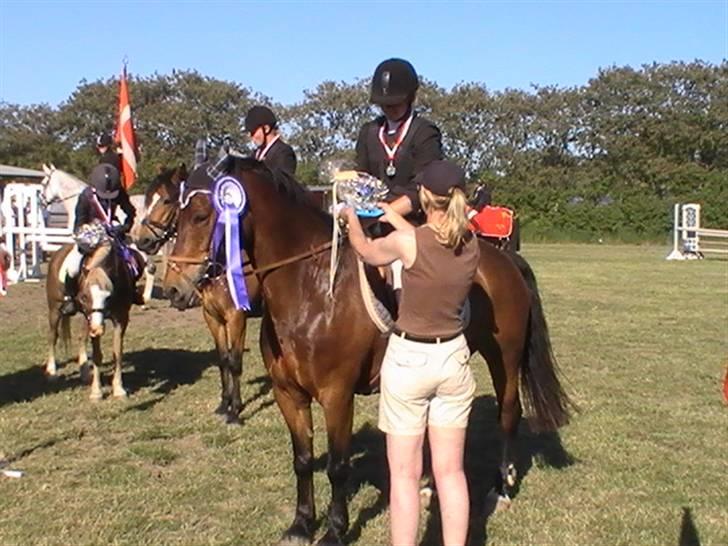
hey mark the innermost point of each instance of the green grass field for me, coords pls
(643, 346)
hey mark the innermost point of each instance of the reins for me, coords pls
(258, 270)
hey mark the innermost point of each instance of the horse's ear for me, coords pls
(182, 170)
(46, 169)
(160, 169)
(53, 167)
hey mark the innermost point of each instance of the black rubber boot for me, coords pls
(69, 307)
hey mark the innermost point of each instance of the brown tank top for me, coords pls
(435, 287)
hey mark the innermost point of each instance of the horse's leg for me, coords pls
(217, 329)
(339, 414)
(117, 384)
(82, 354)
(295, 406)
(503, 354)
(235, 330)
(148, 286)
(54, 320)
(96, 358)
(296, 410)
(505, 383)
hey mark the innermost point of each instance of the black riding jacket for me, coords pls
(87, 212)
(280, 156)
(421, 145)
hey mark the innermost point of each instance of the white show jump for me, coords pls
(25, 230)
(690, 241)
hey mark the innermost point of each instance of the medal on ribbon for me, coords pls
(230, 200)
(391, 152)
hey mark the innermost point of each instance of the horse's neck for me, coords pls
(68, 185)
(284, 228)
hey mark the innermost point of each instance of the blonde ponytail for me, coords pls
(452, 231)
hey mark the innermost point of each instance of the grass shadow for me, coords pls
(688, 532)
(31, 383)
(163, 370)
(482, 459)
(265, 385)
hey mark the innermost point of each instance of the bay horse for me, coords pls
(325, 347)
(227, 324)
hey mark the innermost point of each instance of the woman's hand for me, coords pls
(389, 212)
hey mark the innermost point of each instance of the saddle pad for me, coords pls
(493, 222)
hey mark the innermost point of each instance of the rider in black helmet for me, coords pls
(98, 202)
(262, 125)
(104, 146)
(399, 144)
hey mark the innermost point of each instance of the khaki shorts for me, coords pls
(425, 384)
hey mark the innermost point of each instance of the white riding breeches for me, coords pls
(71, 266)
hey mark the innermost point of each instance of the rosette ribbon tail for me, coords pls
(229, 199)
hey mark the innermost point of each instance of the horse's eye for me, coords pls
(199, 218)
(167, 201)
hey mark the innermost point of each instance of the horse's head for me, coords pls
(95, 288)
(161, 204)
(50, 187)
(59, 185)
(190, 260)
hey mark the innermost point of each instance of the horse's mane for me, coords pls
(73, 177)
(284, 184)
(162, 179)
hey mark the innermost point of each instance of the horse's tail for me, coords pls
(65, 331)
(544, 396)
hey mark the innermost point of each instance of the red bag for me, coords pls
(493, 222)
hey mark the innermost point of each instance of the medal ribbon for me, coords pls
(391, 152)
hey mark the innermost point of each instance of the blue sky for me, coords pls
(282, 48)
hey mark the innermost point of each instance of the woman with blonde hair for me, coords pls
(426, 383)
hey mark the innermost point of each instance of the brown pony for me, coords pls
(225, 322)
(325, 347)
(106, 289)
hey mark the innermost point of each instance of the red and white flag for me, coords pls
(125, 135)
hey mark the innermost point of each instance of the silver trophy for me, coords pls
(361, 191)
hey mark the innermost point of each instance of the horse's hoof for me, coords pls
(232, 419)
(331, 538)
(426, 494)
(503, 503)
(120, 394)
(222, 409)
(294, 540)
(297, 535)
(52, 377)
(95, 396)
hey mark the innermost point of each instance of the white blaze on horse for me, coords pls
(60, 186)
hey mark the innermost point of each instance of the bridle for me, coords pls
(208, 263)
(56, 199)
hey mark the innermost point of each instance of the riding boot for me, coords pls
(70, 289)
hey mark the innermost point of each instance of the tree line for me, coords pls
(604, 159)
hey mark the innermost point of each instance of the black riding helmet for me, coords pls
(258, 116)
(106, 181)
(104, 139)
(394, 81)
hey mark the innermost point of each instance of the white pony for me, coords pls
(64, 187)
